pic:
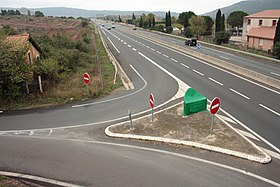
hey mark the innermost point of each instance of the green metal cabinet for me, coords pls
(194, 102)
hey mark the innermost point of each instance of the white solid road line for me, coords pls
(252, 132)
(275, 74)
(247, 134)
(113, 99)
(216, 67)
(226, 118)
(182, 86)
(198, 72)
(226, 167)
(35, 178)
(215, 81)
(271, 153)
(239, 93)
(185, 65)
(174, 60)
(113, 45)
(269, 109)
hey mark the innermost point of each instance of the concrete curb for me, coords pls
(125, 79)
(263, 160)
(229, 66)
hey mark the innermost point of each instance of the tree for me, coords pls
(120, 19)
(222, 37)
(277, 33)
(173, 19)
(28, 13)
(223, 27)
(276, 50)
(141, 22)
(13, 71)
(169, 19)
(3, 12)
(166, 20)
(218, 21)
(209, 24)
(17, 12)
(150, 23)
(197, 25)
(133, 16)
(184, 17)
(154, 21)
(39, 14)
(235, 19)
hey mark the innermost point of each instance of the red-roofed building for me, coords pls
(24, 41)
(259, 29)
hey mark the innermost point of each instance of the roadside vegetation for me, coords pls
(69, 48)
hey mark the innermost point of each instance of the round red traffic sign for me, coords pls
(152, 100)
(86, 78)
(215, 105)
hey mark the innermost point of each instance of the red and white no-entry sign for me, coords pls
(215, 105)
(152, 100)
(86, 78)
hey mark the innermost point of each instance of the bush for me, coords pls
(188, 32)
(169, 29)
(276, 50)
(222, 37)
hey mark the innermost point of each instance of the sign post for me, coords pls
(152, 105)
(214, 108)
(129, 116)
(86, 81)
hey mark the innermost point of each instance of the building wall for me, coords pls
(259, 43)
(255, 24)
(34, 54)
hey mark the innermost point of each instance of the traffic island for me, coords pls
(170, 126)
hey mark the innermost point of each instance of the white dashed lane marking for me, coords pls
(269, 109)
(128, 45)
(133, 49)
(275, 74)
(246, 97)
(174, 60)
(158, 52)
(215, 81)
(198, 72)
(185, 65)
(165, 55)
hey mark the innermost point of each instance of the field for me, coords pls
(71, 88)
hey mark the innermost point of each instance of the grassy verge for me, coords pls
(73, 88)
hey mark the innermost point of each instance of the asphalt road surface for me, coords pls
(102, 161)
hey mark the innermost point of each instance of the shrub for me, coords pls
(222, 37)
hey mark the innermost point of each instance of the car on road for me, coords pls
(133, 28)
(191, 42)
(109, 28)
(113, 26)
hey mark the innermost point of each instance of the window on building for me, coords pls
(249, 21)
(260, 22)
(274, 22)
(29, 58)
(261, 42)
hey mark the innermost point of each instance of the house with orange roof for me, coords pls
(24, 42)
(259, 29)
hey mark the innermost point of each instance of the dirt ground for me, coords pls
(196, 128)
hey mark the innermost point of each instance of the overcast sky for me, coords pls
(197, 6)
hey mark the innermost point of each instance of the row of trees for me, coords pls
(10, 12)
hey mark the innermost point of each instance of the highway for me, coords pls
(252, 104)
(48, 146)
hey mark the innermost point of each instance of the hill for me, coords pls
(75, 12)
(248, 6)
